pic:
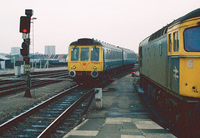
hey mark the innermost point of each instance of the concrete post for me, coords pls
(17, 71)
(98, 98)
(22, 70)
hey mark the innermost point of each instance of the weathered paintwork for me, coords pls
(165, 62)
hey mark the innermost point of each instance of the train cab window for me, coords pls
(176, 42)
(84, 54)
(94, 54)
(74, 54)
(170, 42)
(191, 39)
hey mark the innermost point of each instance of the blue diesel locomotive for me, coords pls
(169, 61)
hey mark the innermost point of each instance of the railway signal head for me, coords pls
(24, 45)
(25, 48)
(24, 52)
(25, 24)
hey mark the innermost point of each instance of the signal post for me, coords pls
(25, 30)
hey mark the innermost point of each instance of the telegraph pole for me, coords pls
(25, 30)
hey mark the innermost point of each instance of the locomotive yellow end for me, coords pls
(85, 59)
(186, 49)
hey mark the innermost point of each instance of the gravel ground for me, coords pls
(15, 104)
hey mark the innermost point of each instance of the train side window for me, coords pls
(170, 42)
(176, 42)
(149, 51)
(106, 53)
(160, 49)
(74, 54)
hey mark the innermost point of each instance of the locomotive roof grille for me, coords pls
(158, 33)
(195, 13)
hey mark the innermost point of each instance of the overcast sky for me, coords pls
(59, 22)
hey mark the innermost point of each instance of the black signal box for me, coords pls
(25, 24)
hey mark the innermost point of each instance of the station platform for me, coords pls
(123, 115)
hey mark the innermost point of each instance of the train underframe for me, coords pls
(85, 76)
(182, 115)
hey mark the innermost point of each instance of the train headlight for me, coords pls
(94, 67)
(74, 67)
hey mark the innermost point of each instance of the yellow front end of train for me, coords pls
(85, 61)
(184, 49)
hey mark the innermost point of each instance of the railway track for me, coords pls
(9, 86)
(33, 73)
(53, 117)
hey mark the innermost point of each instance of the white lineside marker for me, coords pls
(98, 98)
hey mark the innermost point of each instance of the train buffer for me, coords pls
(123, 115)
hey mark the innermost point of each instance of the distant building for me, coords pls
(50, 50)
(15, 50)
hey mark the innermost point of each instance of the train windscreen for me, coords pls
(84, 54)
(74, 54)
(192, 39)
(94, 54)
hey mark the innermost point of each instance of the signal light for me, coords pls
(25, 24)
(24, 31)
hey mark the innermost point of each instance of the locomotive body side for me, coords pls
(170, 58)
(169, 63)
(153, 61)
